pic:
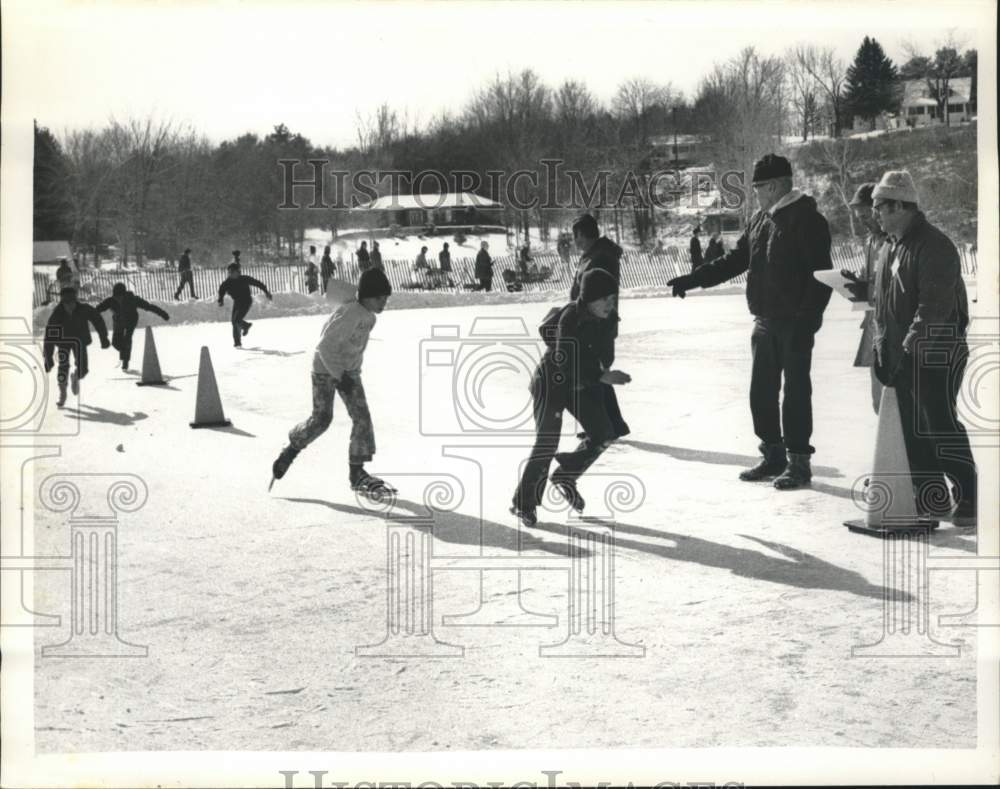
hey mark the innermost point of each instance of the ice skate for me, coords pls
(567, 489)
(370, 486)
(246, 328)
(529, 517)
(74, 383)
(282, 463)
(62, 396)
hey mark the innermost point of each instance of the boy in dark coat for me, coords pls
(786, 240)
(569, 377)
(364, 259)
(326, 267)
(238, 287)
(695, 248)
(68, 332)
(376, 256)
(184, 269)
(125, 306)
(600, 252)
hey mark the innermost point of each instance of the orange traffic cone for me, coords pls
(208, 407)
(889, 498)
(151, 375)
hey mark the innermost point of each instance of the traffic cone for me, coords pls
(889, 497)
(208, 407)
(151, 375)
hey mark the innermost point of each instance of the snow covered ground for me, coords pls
(747, 601)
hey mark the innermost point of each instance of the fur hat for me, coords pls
(769, 166)
(863, 195)
(596, 284)
(896, 185)
(373, 284)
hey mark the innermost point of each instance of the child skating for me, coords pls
(238, 286)
(125, 306)
(337, 369)
(68, 331)
(568, 378)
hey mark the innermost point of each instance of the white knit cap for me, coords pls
(896, 185)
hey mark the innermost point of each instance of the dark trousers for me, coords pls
(587, 405)
(362, 444)
(186, 279)
(485, 283)
(936, 441)
(326, 280)
(121, 340)
(63, 351)
(780, 387)
(239, 313)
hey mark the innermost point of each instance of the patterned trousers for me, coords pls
(352, 392)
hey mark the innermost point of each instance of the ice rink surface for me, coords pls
(735, 606)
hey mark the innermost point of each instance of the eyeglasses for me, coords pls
(879, 206)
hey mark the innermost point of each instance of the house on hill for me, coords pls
(452, 210)
(920, 108)
(46, 255)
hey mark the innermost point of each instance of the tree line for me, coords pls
(153, 187)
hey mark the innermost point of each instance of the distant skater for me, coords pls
(238, 287)
(187, 277)
(125, 306)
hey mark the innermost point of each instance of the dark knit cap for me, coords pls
(596, 284)
(373, 284)
(771, 166)
(119, 287)
(863, 195)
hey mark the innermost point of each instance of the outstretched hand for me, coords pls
(105, 343)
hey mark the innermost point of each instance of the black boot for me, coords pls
(284, 461)
(797, 475)
(773, 463)
(567, 489)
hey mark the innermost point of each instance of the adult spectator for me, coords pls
(377, 257)
(364, 259)
(326, 268)
(444, 259)
(187, 277)
(921, 320)
(695, 249)
(484, 268)
(786, 240)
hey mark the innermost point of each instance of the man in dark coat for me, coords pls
(125, 306)
(484, 268)
(67, 331)
(786, 240)
(376, 257)
(326, 267)
(364, 259)
(600, 252)
(695, 247)
(444, 259)
(187, 278)
(238, 287)
(921, 319)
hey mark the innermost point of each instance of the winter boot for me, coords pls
(797, 475)
(527, 515)
(74, 383)
(363, 482)
(281, 465)
(62, 395)
(773, 463)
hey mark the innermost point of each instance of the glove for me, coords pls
(48, 365)
(681, 285)
(846, 273)
(858, 289)
(166, 317)
(105, 343)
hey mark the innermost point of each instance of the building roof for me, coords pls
(430, 202)
(50, 251)
(959, 88)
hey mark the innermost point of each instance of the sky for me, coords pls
(228, 67)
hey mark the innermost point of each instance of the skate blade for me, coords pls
(273, 480)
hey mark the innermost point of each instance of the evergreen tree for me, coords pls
(51, 208)
(871, 82)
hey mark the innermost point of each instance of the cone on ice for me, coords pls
(890, 498)
(208, 407)
(151, 375)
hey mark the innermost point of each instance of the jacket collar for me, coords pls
(787, 200)
(918, 221)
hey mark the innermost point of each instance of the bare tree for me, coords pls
(802, 95)
(939, 71)
(637, 101)
(829, 74)
(840, 156)
(88, 164)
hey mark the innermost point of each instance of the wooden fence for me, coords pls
(638, 270)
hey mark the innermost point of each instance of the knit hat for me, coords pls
(863, 195)
(896, 185)
(596, 284)
(771, 166)
(236, 253)
(373, 284)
